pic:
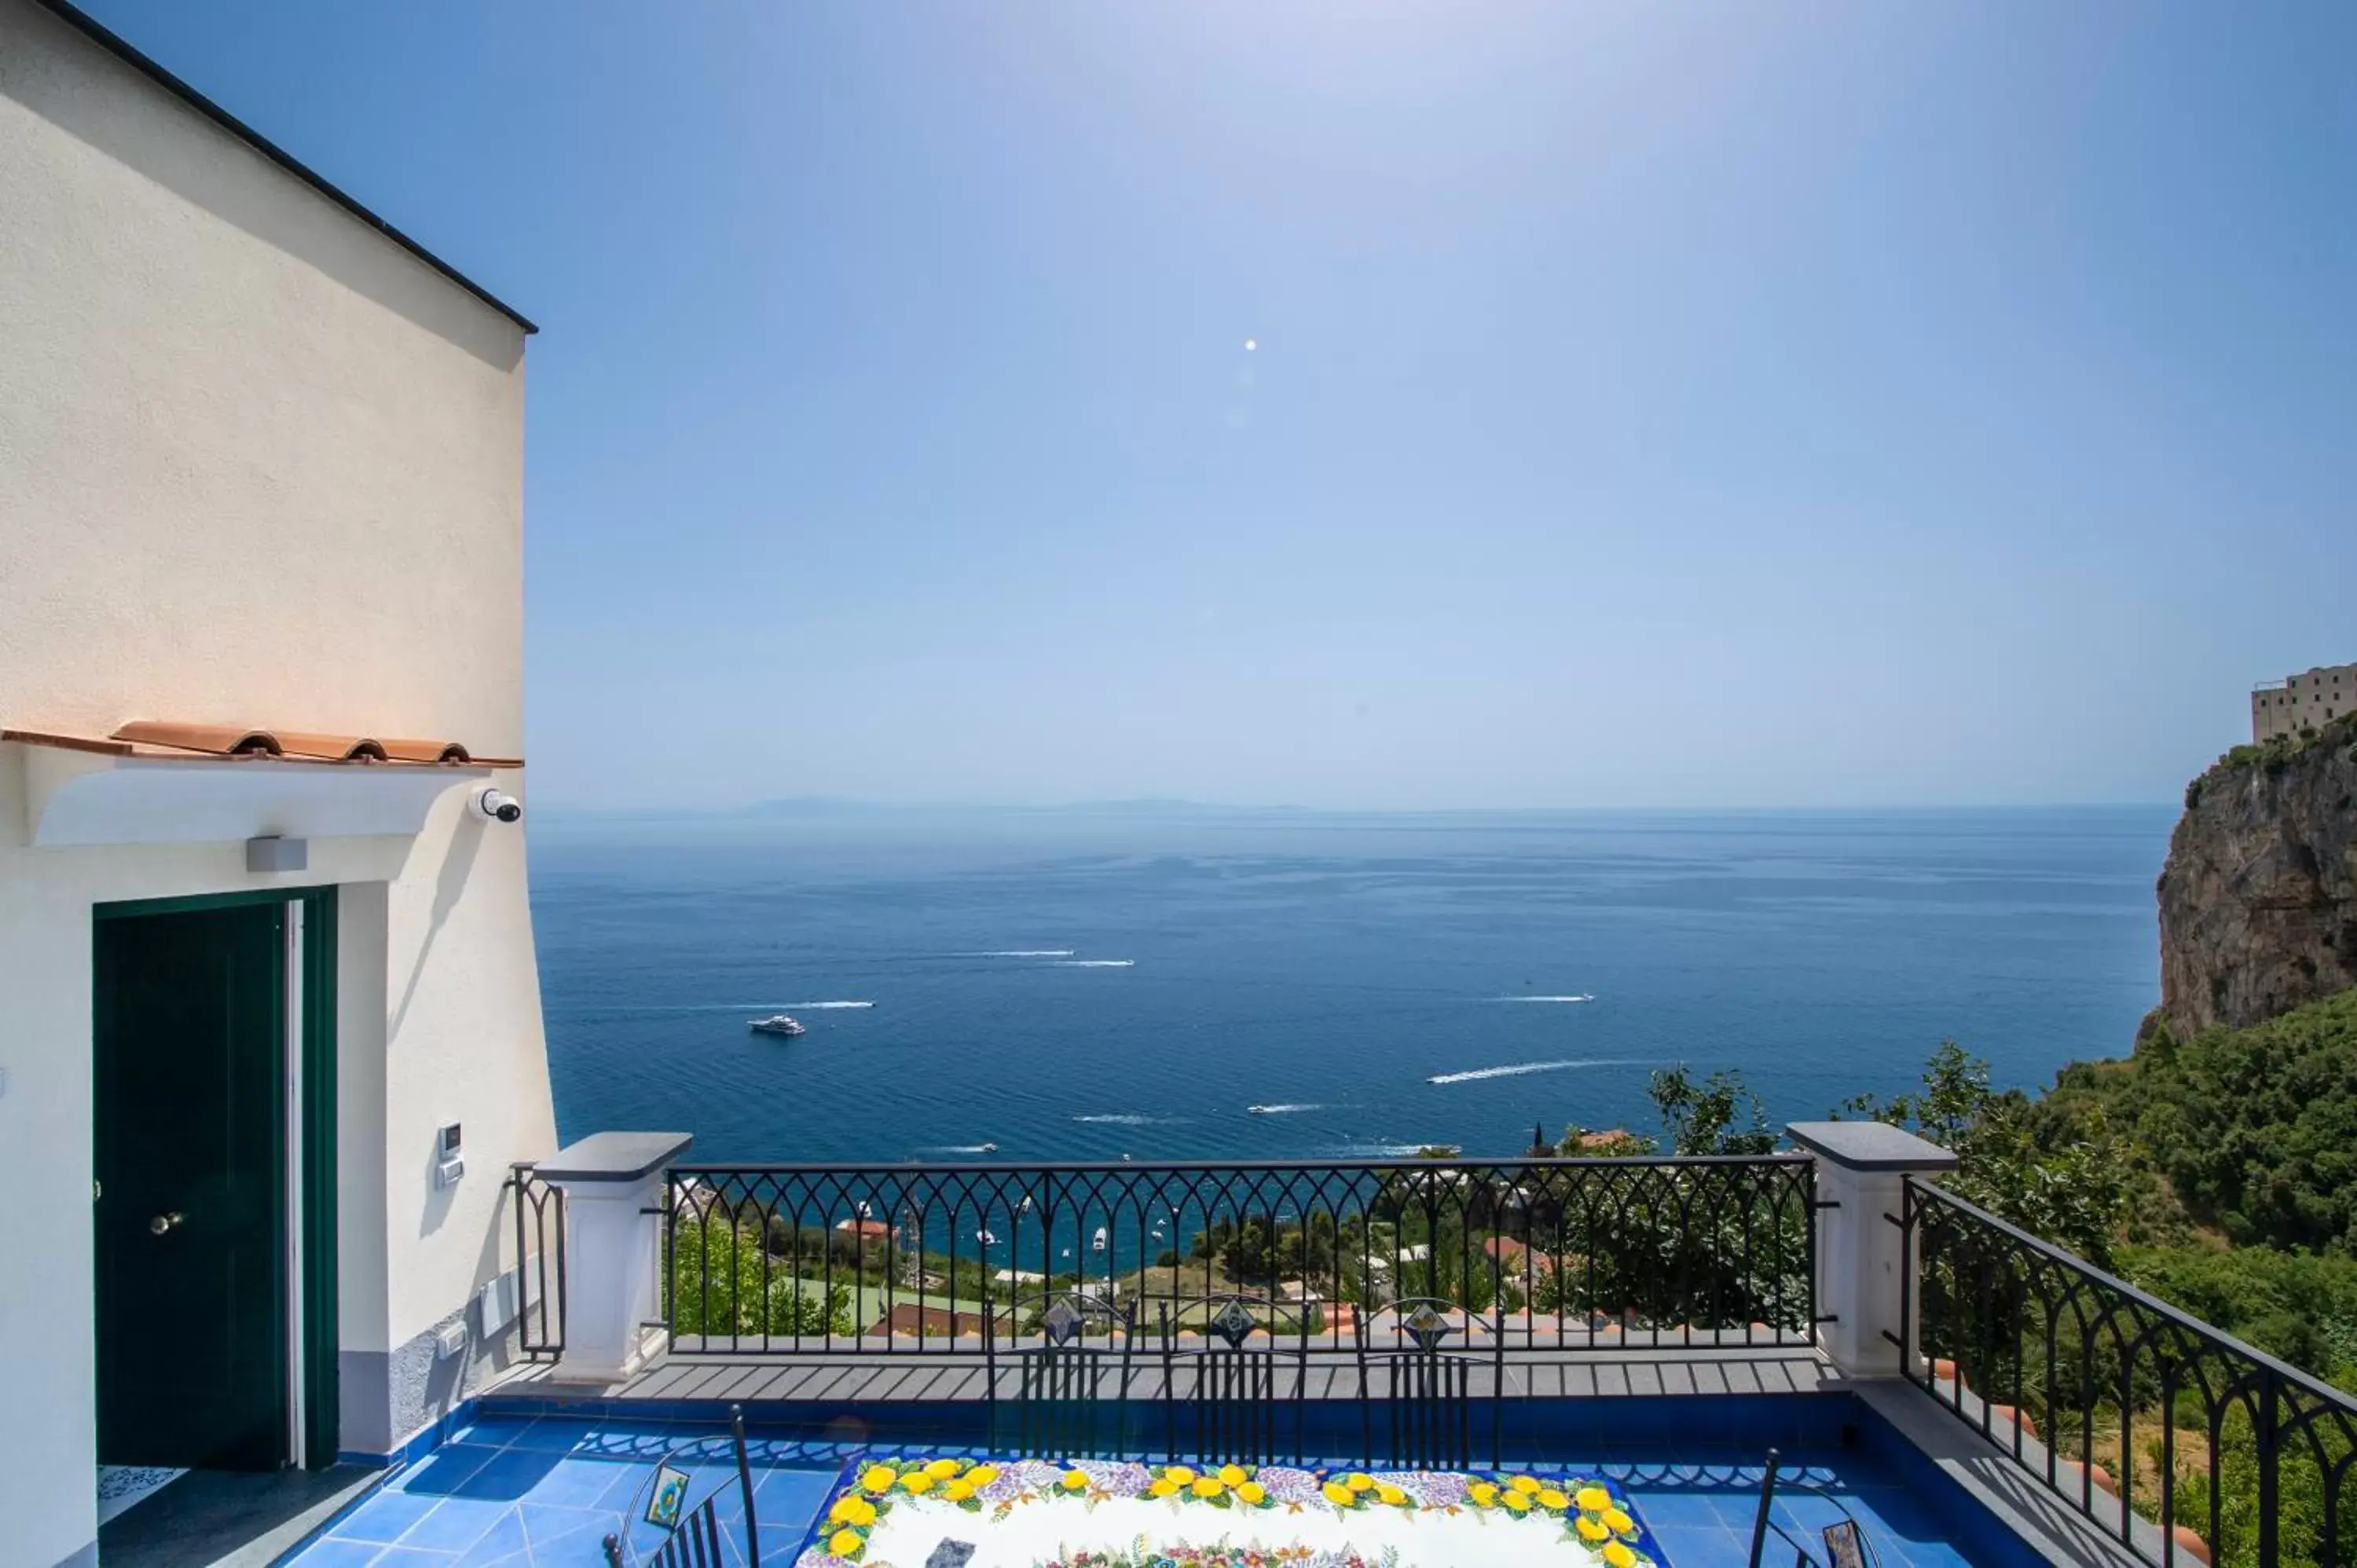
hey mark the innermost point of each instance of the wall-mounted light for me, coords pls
(276, 854)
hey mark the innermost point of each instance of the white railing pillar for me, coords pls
(613, 1249)
(1860, 1289)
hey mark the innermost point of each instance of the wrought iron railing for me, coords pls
(1594, 1254)
(539, 1214)
(2179, 1441)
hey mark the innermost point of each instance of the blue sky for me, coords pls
(1653, 405)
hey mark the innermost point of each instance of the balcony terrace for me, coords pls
(1668, 1329)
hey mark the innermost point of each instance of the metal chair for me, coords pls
(1228, 1392)
(693, 1537)
(1427, 1394)
(1071, 1397)
(1845, 1541)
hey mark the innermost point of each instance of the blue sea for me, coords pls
(1096, 982)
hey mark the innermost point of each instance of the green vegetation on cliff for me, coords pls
(2254, 1130)
(2217, 1172)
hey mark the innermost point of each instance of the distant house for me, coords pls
(864, 1229)
(908, 1317)
(1513, 1255)
(2303, 702)
(272, 1026)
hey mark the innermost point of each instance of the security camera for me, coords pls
(499, 806)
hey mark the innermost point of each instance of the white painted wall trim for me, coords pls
(75, 798)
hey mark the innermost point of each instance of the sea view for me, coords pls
(1104, 981)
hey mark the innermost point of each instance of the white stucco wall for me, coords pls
(258, 465)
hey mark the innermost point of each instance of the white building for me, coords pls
(260, 516)
(2303, 702)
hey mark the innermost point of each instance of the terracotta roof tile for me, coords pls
(225, 740)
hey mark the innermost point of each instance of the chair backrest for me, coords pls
(697, 1537)
(1071, 1396)
(697, 1543)
(1221, 1399)
(1427, 1407)
(1419, 1397)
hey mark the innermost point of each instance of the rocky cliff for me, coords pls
(2258, 900)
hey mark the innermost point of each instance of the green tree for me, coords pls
(1717, 1116)
(723, 1281)
(2059, 1173)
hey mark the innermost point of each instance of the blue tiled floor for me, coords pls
(1702, 1514)
(517, 1492)
(520, 1493)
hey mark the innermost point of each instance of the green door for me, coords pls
(190, 1203)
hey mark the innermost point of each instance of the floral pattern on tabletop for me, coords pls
(1223, 1516)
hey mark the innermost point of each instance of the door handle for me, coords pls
(163, 1223)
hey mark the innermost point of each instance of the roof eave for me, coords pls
(114, 44)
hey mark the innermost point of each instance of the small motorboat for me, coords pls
(985, 1238)
(777, 1024)
(1097, 1245)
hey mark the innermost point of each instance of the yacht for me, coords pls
(776, 1024)
(1098, 1244)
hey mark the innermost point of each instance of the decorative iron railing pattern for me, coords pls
(539, 1214)
(1598, 1255)
(2156, 1426)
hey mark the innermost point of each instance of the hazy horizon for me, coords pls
(814, 805)
(1513, 406)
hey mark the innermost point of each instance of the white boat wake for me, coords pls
(1018, 952)
(822, 1006)
(1584, 997)
(1521, 1068)
(1280, 1110)
(1125, 1119)
(1097, 963)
